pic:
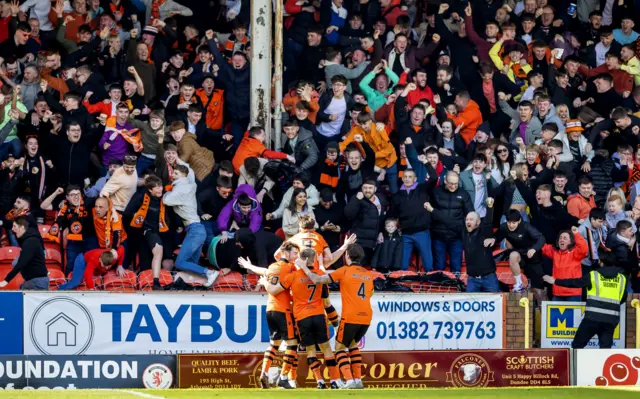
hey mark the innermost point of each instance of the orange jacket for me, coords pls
(57, 83)
(471, 117)
(579, 206)
(567, 264)
(379, 142)
(73, 26)
(252, 147)
(291, 99)
(213, 107)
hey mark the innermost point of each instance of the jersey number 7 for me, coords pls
(313, 288)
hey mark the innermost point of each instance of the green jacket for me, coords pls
(375, 99)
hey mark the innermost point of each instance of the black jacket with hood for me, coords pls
(31, 261)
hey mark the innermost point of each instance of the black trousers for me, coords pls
(589, 328)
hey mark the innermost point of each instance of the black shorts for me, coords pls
(152, 239)
(532, 268)
(348, 333)
(280, 326)
(313, 330)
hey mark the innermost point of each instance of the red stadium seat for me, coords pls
(8, 254)
(232, 282)
(50, 216)
(44, 230)
(15, 283)
(53, 256)
(251, 281)
(145, 279)
(280, 233)
(112, 282)
(56, 277)
(376, 274)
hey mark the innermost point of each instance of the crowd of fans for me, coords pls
(435, 132)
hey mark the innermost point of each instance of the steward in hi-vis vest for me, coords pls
(605, 289)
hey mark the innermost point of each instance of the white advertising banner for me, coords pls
(560, 321)
(607, 367)
(154, 323)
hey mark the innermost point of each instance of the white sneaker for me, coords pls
(339, 383)
(292, 383)
(351, 384)
(212, 276)
(359, 384)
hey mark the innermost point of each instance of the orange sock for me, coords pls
(293, 373)
(269, 354)
(314, 365)
(356, 362)
(334, 373)
(344, 365)
(288, 357)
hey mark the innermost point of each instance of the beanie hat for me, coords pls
(574, 125)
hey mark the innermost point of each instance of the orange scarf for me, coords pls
(131, 136)
(155, 10)
(141, 214)
(15, 213)
(73, 221)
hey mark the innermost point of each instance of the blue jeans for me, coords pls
(211, 227)
(143, 164)
(238, 127)
(12, 147)
(191, 250)
(75, 248)
(392, 178)
(488, 283)
(78, 274)
(13, 241)
(440, 251)
(421, 240)
(574, 298)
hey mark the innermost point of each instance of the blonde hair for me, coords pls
(520, 167)
(616, 194)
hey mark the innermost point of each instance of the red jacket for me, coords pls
(392, 12)
(567, 264)
(252, 147)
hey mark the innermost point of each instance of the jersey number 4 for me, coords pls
(361, 292)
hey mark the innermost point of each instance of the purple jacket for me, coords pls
(119, 146)
(232, 209)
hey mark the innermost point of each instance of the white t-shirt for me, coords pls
(478, 203)
(338, 106)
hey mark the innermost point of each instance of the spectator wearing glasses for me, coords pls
(16, 47)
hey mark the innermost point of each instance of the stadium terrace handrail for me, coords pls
(636, 304)
(524, 302)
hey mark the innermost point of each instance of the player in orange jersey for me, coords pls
(356, 289)
(308, 311)
(279, 315)
(308, 238)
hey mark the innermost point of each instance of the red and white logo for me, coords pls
(619, 369)
(157, 376)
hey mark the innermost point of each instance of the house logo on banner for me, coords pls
(469, 371)
(55, 332)
(157, 376)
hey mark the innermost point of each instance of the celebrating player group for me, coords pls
(299, 309)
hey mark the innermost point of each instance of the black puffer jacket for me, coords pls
(621, 255)
(305, 151)
(408, 207)
(237, 84)
(603, 174)
(365, 219)
(450, 210)
(388, 255)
